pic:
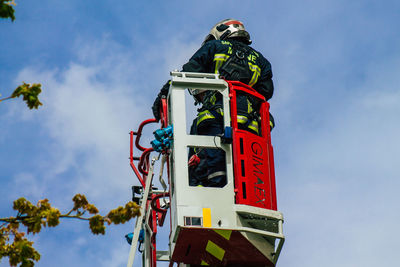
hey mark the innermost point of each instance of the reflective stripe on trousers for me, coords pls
(207, 115)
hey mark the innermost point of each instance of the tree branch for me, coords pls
(74, 217)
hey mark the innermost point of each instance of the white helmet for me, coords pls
(228, 28)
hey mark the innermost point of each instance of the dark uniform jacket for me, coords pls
(215, 57)
(213, 54)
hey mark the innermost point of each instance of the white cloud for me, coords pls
(88, 123)
(88, 109)
(338, 181)
(31, 185)
(118, 257)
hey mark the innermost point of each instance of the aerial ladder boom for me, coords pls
(237, 224)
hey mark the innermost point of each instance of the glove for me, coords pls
(271, 122)
(156, 107)
(157, 103)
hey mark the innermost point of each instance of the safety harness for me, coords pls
(236, 67)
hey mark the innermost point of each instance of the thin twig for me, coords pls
(6, 98)
(72, 210)
(74, 217)
(25, 218)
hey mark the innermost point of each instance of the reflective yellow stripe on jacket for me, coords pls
(207, 115)
(256, 73)
(219, 60)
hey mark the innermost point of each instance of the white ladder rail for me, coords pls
(139, 220)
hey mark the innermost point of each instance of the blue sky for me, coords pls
(101, 63)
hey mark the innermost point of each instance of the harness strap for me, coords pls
(236, 66)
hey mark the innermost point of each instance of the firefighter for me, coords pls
(225, 51)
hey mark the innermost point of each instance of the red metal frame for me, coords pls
(155, 205)
(253, 155)
(144, 158)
